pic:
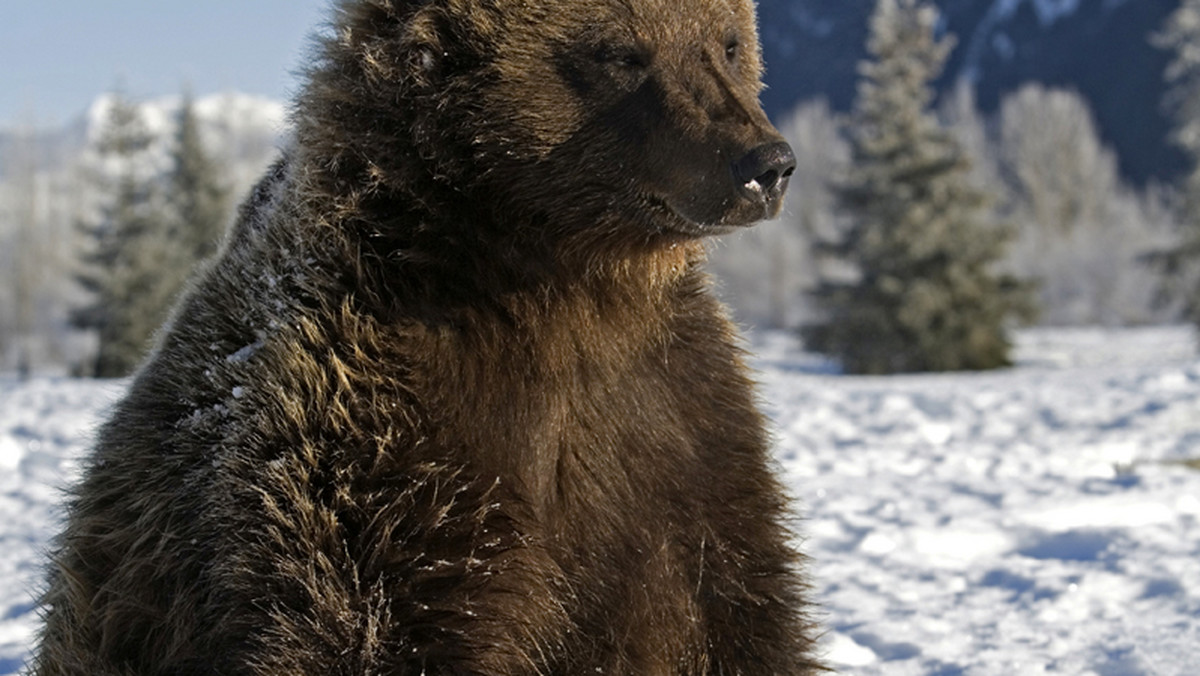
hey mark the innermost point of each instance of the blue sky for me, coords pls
(57, 55)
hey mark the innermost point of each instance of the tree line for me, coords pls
(97, 244)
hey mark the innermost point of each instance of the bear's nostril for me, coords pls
(767, 180)
(761, 169)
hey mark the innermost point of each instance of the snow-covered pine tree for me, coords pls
(1181, 35)
(126, 265)
(923, 296)
(198, 200)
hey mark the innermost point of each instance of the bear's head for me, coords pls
(634, 118)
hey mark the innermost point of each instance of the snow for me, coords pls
(1029, 521)
(1050, 11)
(1034, 520)
(1001, 12)
(44, 428)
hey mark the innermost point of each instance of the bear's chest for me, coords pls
(585, 430)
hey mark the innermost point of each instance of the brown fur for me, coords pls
(456, 398)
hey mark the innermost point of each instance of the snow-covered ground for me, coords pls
(1035, 520)
(44, 429)
(1020, 522)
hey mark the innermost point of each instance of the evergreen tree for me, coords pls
(922, 296)
(1181, 35)
(151, 233)
(199, 201)
(124, 268)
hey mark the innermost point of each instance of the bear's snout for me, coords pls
(762, 174)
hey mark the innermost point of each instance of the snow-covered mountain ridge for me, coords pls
(240, 129)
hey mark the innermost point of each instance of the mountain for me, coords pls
(242, 131)
(1099, 48)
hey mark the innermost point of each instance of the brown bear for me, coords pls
(456, 398)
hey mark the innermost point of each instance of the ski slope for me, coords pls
(1034, 520)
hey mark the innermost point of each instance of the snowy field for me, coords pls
(1036, 520)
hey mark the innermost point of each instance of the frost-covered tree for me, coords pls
(155, 226)
(128, 268)
(198, 199)
(960, 115)
(1081, 231)
(923, 295)
(1053, 158)
(38, 202)
(24, 256)
(1181, 35)
(56, 196)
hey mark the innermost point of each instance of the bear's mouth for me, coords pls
(677, 222)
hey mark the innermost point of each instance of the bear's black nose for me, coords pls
(764, 169)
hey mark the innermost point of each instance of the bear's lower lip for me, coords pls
(681, 224)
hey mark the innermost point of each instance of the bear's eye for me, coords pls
(629, 58)
(731, 50)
